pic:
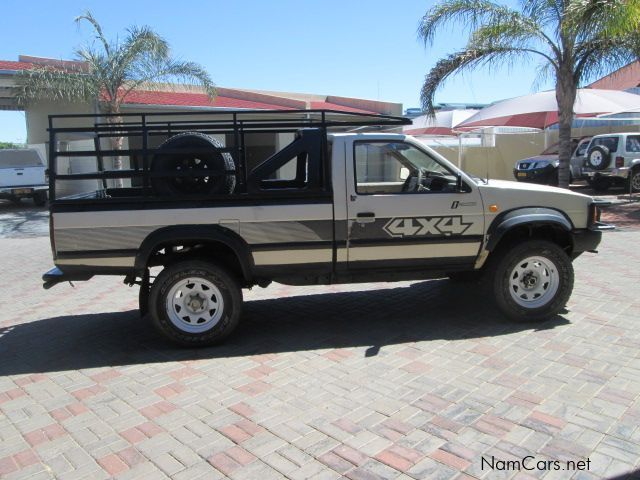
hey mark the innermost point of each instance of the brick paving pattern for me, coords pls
(406, 380)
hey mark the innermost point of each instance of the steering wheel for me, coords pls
(413, 182)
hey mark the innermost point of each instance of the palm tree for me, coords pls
(574, 40)
(109, 72)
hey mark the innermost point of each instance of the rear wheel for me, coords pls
(531, 281)
(633, 182)
(40, 198)
(195, 303)
(600, 184)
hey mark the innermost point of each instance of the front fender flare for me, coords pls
(531, 216)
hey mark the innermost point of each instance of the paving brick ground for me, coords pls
(408, 380)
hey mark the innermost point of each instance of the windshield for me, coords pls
(552, 150)
(412, 157)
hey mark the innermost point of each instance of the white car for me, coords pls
(613, 159)
(22, 175)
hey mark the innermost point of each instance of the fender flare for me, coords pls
(531, 216)
(196, 233)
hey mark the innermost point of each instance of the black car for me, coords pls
(543, 168)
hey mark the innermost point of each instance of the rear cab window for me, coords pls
(633, 144)
(610, 142)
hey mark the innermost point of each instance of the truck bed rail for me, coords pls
(140, 135)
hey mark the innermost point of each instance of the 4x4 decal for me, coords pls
(426, 226)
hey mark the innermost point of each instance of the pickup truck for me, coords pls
(22, 175)
(333, 205)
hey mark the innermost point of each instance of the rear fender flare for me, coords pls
(196, 233)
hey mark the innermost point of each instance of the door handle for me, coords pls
(366, 217)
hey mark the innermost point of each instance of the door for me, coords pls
(407, 209)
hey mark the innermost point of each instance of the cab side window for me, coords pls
(396, 167)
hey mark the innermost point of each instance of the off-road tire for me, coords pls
(500, 274)
(209, 157)
(633, 182)
(40, 198)
(600, 184)
(197, 270)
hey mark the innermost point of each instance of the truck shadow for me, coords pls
(422, 312)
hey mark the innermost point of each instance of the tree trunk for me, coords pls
(116, 144)
(566, 96)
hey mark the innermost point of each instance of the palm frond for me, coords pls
(601, 56)
(546, 12)
(471, 13)
(48, 84)
(99, 35)
(517, 31)
(463, 60)
(595, 18)
(187, 74)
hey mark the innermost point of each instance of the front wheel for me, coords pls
(532, 281)
(195, 303)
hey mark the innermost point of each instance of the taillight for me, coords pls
(619, 162)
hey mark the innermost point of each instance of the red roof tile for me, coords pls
(335, 106)
(185, 99)
(8, 65)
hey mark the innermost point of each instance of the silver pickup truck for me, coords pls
(328, 205)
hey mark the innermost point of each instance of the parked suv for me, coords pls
(613, 159)
(543, 168)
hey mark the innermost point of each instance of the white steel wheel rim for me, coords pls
(194, 305)
(533, 282)
(596, 158)
(635, 181)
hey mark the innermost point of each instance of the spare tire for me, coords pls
(192, 151)
(599, 157)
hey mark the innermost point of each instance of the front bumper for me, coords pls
(588, 239)
(542, 175)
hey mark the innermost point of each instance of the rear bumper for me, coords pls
(21, 190)
(55, 276)
(621, 172)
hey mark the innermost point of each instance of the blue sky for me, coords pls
(356, 48)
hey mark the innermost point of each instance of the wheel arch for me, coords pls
(209, 235)
(530, 222)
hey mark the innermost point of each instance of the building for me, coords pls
(176, 98)
(625, 78)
